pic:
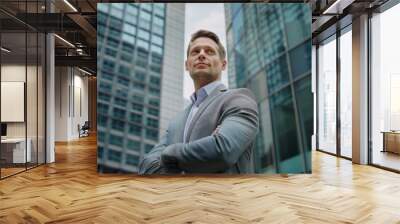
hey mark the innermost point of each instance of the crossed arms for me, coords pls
(211, 154)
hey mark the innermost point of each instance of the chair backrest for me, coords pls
(86, 125)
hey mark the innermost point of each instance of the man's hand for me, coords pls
(216, 130)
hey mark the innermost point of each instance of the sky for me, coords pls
(209, 16)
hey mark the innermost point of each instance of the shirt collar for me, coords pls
(201, 94)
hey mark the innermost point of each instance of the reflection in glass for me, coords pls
(305, 108)
(297, 23)
(277, 74)
(300, 53)
(327, 97)
(284, 130)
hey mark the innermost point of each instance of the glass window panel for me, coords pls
(152, 134)
(265, 143)
(128, 38)
(346, 94)
(327, 96)
(270, 31)
(111, 42)
(154, 102)
(137, 107)
(116, 13)
(102, 108)
(297, 19)
(135, 130)
(132, 19)
(102, 18)
(146, 6)
(143, 34)
(159, 9)
(119, 6)
(143, 44)
(240, 63)
(148, 147)
(120, 102)
(153, 112)
(137, 118)
(118, 125)
(111, 52)
(106, 75)
(158, 29)
(114, 156)
(133, 145)
(104, 96)
(128, 47)
(119, 113)
(304, 99)
(103, 7)
(277, 74)
(284, 128)
(108, 65)
(132, 160)
(131, 9)
(156, 49)
(123, 81)
(157, 40)
(300, 59)
(144, 15)
(158, 21)
(152, 122)
(102, 120)
(238, 25)
(130, 29)
(124, 70)
(122, 92)
(385, 87)
(115, 23)
(126, 57)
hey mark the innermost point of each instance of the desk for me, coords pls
(391, 141)
(16, 147)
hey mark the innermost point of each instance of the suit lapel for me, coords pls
(213, 95)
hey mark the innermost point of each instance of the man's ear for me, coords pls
(224, 64)
(186, 66)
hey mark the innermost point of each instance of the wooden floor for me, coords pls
(71, 191)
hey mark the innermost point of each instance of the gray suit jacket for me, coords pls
(226, 150)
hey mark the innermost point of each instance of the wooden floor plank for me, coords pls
(71, 191)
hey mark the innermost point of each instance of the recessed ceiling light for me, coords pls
(70, 5)
(86, 72)
(64, 40)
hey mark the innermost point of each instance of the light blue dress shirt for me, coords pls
(197, 98)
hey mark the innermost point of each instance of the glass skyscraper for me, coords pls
(140, 79)
(269, 52)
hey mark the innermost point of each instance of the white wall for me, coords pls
(71, 102)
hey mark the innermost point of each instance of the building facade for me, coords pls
(269, 52)
(140, 79)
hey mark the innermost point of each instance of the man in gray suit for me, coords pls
(216, 133)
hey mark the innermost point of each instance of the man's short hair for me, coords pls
(212, 36)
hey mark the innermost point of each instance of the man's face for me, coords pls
(204, 62)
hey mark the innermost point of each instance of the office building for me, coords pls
(269, 49)
(140, 63)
